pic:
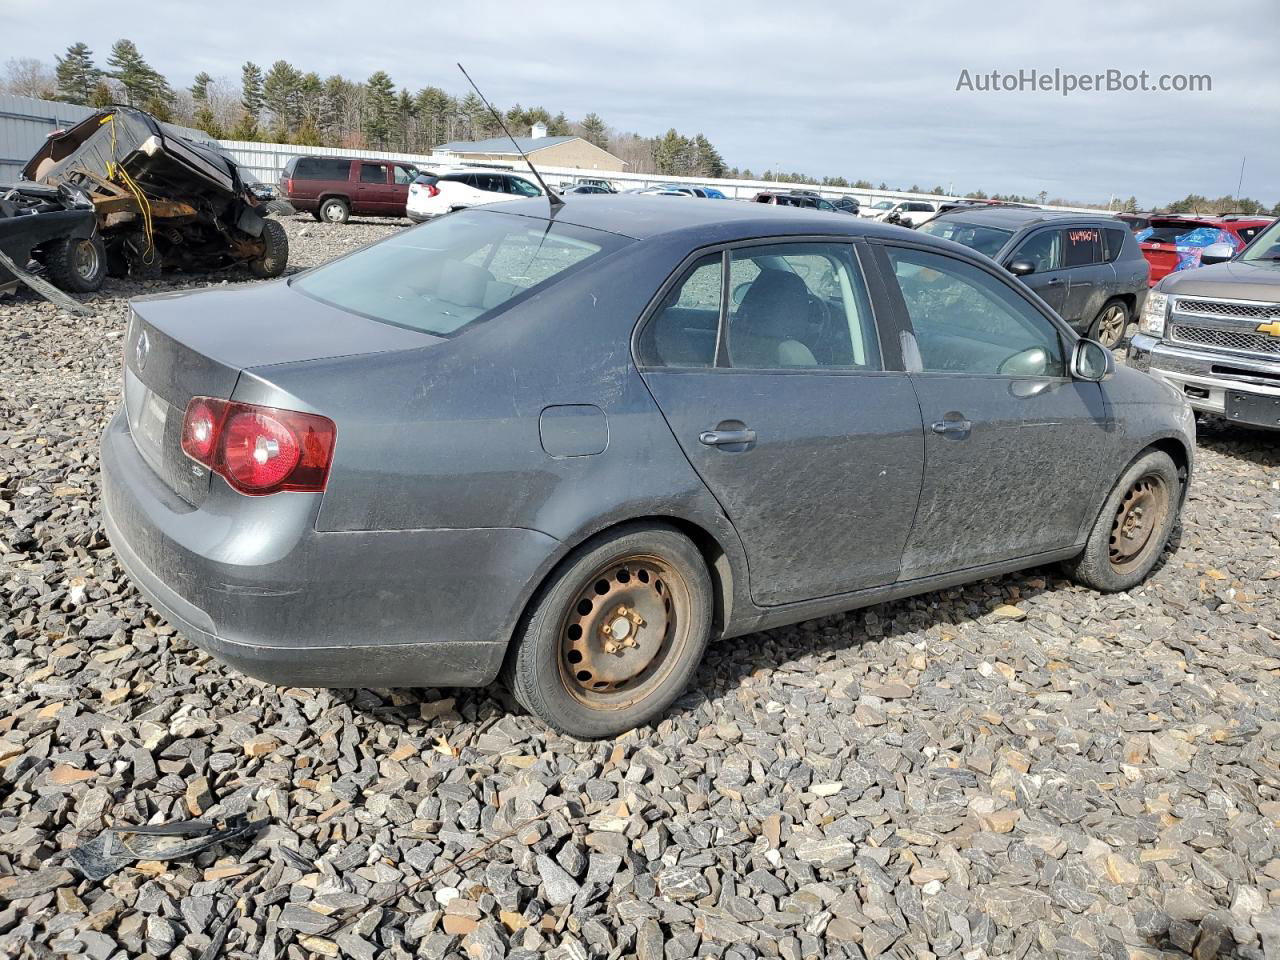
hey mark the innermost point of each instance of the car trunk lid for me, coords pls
(180, 346)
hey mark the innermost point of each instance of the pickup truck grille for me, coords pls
(1227, 339)
(1228, 308)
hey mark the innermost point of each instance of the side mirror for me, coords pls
(1022, 267)
(1092, 361)
(1216, 253)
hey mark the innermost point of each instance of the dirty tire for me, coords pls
(651, 657)
(1119, 553)
(78, 265)
(1111, 323)
(334, 211)
(275, 252)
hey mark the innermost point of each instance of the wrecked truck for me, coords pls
(160, 201)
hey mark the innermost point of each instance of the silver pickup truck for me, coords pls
(1213, 333)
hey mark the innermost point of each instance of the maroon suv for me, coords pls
(335, 188)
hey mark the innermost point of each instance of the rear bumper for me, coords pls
(1197, 373)
(252, 582)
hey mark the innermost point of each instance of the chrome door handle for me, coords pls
(725, 438)
(952, 428)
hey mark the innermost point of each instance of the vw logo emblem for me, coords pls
(141, 348)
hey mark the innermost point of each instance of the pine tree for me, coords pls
(405, 113)
(435, 109)
(199, 88)
(101, 95)
(558, 126)
(280, 95)
(251, 92)
(143, 85)
(379, 109)
(595, 131)
(474, 116)
(77, 76)
(707, 159)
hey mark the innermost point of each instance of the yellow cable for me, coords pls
(114, 169)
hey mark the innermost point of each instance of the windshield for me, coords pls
(986, 240)
(1265, 247)
(461, 269)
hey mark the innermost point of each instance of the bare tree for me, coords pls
(29, 77)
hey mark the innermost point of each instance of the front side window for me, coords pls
(522, 188)
(404, 175)
(986, 240)
(1082, 246)
(455, 271)
(967, 321)
(1265, 247)
(373, 173)
(799, 305)
(1043, 248)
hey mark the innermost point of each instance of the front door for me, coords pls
(775, 385)
(1044, 249)
(1013, 445)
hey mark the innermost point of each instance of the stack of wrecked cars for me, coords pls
(122, 194)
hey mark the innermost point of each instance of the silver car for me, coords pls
(573, 445)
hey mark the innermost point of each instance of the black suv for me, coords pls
(1090, 269)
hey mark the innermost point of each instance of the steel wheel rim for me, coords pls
(1139, 517)
(86, 261)
(623, 631)
(333, 213)
(1111, 327)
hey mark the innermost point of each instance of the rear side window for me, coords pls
(683, 331)
(373, 173)
(322, 168)
(1248, 233)
(456, 271)
(1081, 246)
(1113, 240)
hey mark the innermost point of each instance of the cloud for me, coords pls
(854, 89)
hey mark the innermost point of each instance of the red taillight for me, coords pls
(433, 190)
(288, 187)
(259, 450)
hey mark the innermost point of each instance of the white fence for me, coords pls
(26, 121)
(266, 160)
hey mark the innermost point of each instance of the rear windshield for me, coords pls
(1169, 233)
(455, 271)
(986, 240)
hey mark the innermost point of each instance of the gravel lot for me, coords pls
(1018, 768)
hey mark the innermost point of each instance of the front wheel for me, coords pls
(616, 635)
(1133, 527)
(275, 251)
(77, 264)
(1109, 326)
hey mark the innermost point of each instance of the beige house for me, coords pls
(541, 149)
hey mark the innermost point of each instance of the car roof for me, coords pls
(646, 217)
(1015, 218)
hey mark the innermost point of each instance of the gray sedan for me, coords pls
(572, 446)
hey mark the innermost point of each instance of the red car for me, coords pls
(1173, 241)
(335, 188)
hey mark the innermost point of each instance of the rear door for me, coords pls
(1089, 276)
(1044, 249)
(1013, 445)
(767, 363)
(375, 192)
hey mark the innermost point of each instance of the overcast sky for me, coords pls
(863, 89)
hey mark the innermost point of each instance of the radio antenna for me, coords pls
(552, 197)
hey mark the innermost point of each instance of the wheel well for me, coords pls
(1180, 457)
(709, 547)
(326, 197)
(1130, 300)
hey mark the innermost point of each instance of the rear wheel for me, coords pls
(275, 251)
(334, 210)
(1109, 325)
(77, 264)
(1133, 527)
(616, 635)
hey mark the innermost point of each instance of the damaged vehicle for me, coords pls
(56, 227)
(160, 200)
